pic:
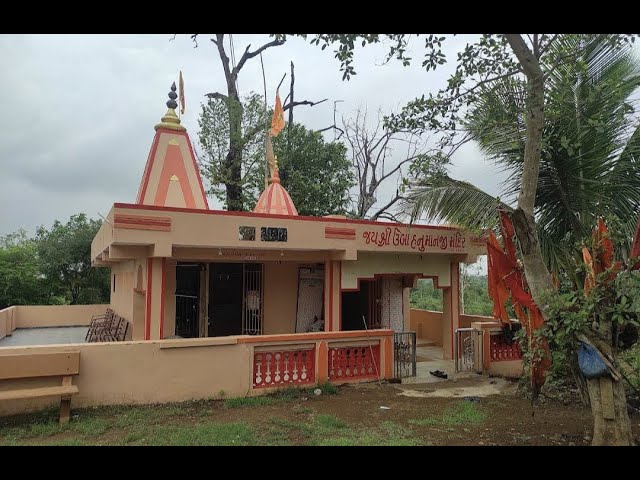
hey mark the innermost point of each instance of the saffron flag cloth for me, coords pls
(181, 85)
(277, 122)
(505, 279)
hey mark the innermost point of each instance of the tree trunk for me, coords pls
(233, 162)
(611, 424)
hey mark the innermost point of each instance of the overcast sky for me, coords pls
(79, 110)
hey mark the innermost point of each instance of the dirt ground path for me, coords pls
(509, 418)
(472, 411)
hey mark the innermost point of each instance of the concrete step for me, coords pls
(423, 342)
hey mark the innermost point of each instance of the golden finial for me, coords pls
(170, 119)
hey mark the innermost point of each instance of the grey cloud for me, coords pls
(80, 109)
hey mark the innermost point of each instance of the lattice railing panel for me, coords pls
(500, 350)
(286, 367)
(354, 362)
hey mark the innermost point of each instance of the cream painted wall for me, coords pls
(369, 264)
(30, 316)
(280, 297)
(141, 372)
(177, 370)
(122, 297)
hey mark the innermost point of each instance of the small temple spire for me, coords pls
(275, 199)
(170, 119)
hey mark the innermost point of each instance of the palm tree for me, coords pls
(590, 154)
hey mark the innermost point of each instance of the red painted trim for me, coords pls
(162, 298)
(119, 217)
(340, 230)
(291, 209)
(147, 168)
(142, 226)
(195, 166)
(174, 164)
(315, 336)
(283, 217)
(340, 233)
(331, 294)
(340, 298)
(267, 206)
(151, 159)
(147, 313)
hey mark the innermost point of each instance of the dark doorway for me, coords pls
(187, 294)
(364, 302)
(225, 299)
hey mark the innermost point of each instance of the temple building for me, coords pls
(181, 270)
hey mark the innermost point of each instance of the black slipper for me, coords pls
(439, 374)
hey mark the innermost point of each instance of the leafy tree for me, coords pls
(65, 259)
(474, 296)
(315, 173)
(21, 282)
(215, 141)
(481, 64)
(233, 163)
(591, 146)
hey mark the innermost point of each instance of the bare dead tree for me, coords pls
(233, 161)
(379, 156)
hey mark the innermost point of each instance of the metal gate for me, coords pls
(468, 353)
(404, 354)
(252, 298)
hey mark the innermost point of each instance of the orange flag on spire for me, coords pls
(277, 123)
(181, 85)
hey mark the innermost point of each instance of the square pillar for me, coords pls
(450, 311)
(332, 296)
(155, 299)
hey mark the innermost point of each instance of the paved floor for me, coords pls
(44, 336)
(429, 359)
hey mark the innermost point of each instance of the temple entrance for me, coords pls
(219, 299)
(225, 299)
(366, 303)
(235, 299)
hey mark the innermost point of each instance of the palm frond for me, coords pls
(443, 198)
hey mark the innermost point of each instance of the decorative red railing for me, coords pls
(354, 362)
(288, 367)
(500, 350)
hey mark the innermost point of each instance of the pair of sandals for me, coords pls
(439, 374)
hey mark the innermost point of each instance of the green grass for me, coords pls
(329, 430)
(203, 423)
(632, 359)
(248, 402)
(463, 413)
(214, 434)
(282, 396)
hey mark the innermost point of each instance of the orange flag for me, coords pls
(277, 123)
(181, 85)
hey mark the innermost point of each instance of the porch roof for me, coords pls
(133, 230)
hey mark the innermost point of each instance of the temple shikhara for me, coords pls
(182, 270)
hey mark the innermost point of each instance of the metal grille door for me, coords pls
(404, 354)
(252, 309)
(468, 351)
